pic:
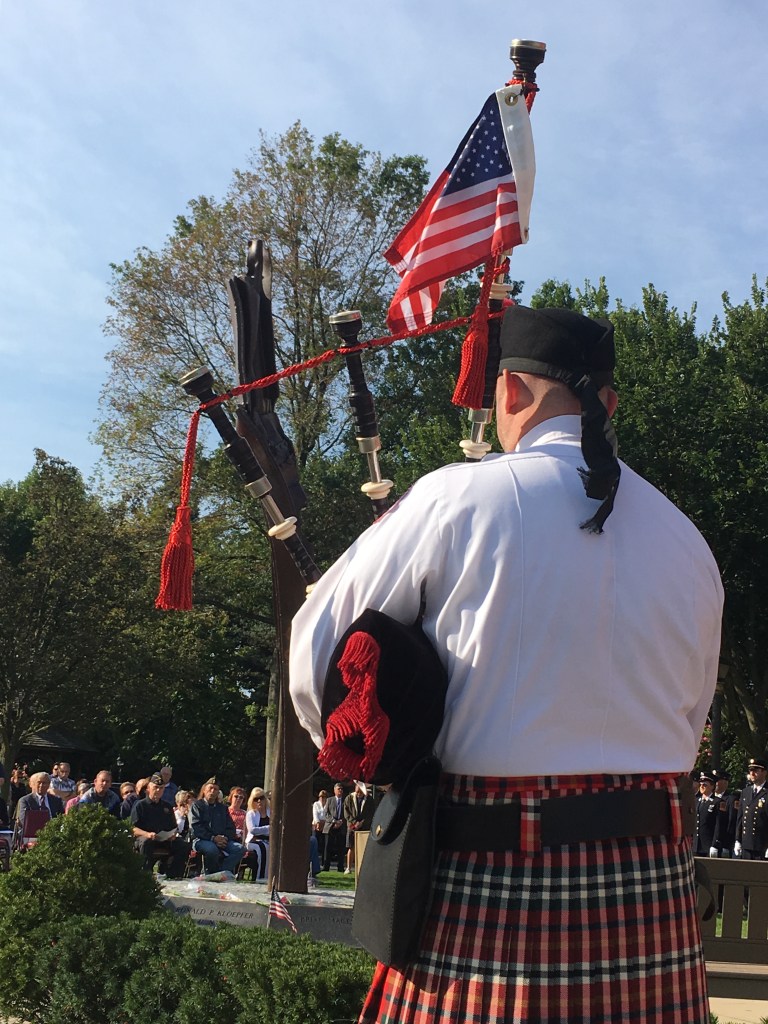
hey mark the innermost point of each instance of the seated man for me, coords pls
(38, 800)
(101, 793)
(152, 819)
(213, 832)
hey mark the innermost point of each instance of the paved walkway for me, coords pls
(739, 1011)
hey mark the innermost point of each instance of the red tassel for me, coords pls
(474, 352)
(359, 714)
(177, 566)
(360, 660)
(179, 558)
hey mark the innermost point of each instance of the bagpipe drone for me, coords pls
(474, 214)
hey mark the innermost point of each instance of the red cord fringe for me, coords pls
(474, 352)
(359, 714)
(178, 562)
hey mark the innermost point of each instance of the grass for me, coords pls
(336, 880)
(719, 932)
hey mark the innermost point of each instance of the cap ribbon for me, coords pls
(600, 448)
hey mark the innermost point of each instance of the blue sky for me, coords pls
(650, 135)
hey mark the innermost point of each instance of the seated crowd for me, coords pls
(171, 825)
(186, 833)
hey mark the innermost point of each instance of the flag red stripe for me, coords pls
(451, 227)
(471, 213)
(446, 260)
(446, 208)
(442, 242)
(411, 233)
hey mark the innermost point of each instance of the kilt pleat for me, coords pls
(590, 933)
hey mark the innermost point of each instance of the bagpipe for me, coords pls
(475, 213)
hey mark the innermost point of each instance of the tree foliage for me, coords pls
(693, 419)
(81, 644)
(66, 576)
(691, 416)
(327, 210)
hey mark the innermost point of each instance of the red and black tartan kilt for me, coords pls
(590, 933)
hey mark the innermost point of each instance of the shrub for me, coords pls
(168, 970)
(82, 864)
(82, 973)
(286, 979)
(174, 975)
(248, 975)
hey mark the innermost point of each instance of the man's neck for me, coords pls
(556, 427)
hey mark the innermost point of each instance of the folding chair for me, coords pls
(25, 833)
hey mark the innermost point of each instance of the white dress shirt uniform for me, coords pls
(595, 670)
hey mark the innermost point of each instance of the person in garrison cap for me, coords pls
(577, 613)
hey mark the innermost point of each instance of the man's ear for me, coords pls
(508, 391)
(609, 399)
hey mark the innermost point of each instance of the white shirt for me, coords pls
(253, 826)
(566, 652)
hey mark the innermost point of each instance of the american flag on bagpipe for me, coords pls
(478, 208)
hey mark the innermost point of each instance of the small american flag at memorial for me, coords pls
(278, 909)
(478, 208)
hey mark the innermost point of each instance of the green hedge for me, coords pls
(168, 970)
(83, 941)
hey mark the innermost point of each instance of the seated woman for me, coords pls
(257, 833)
(235, 802)
(129, 798)
(81, 789)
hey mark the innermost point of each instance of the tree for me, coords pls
(196, 689)
(64, 574)
(693, 419)
(327, 211)
(738, 470)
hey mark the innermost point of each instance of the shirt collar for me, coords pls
(558, 429)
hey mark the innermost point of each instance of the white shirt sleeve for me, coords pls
(391, 560)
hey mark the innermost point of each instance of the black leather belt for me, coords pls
(590, 817)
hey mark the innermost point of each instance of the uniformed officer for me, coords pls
(727, 814)
(752, 825)
(706, 817)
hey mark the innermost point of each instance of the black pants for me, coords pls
(335, 847)
(152, 851)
